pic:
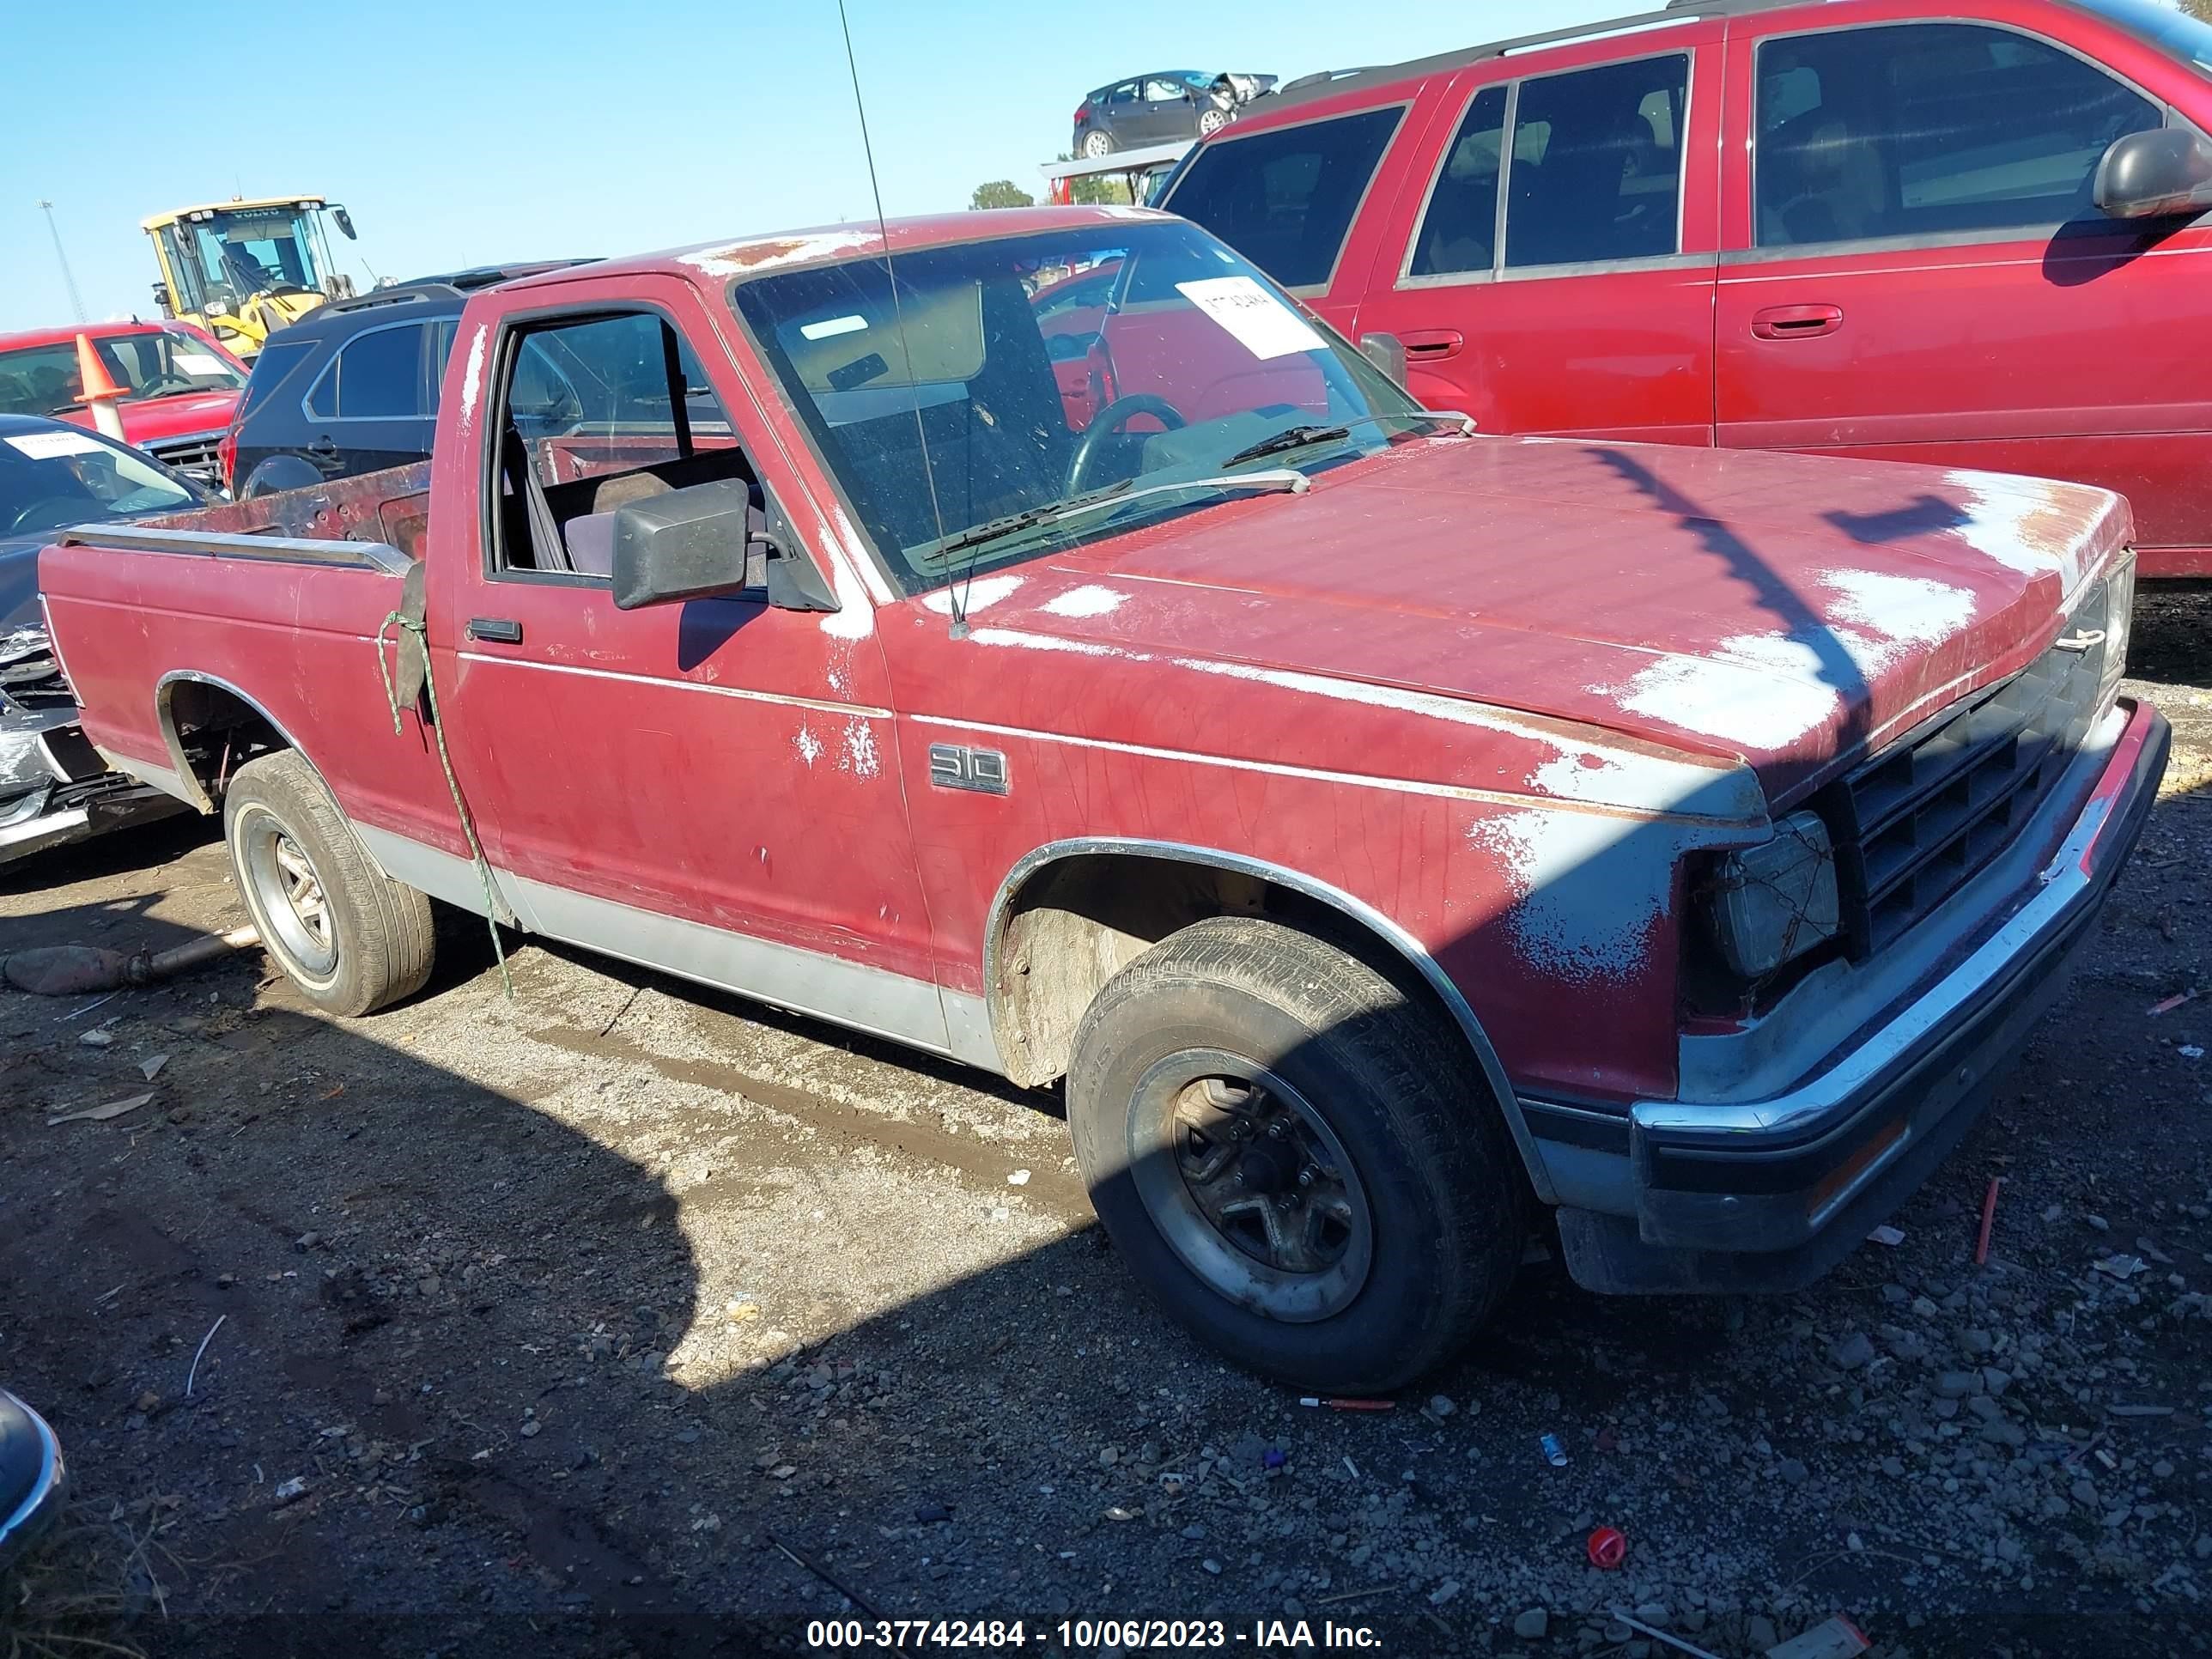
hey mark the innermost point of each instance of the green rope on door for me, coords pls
(493, 909)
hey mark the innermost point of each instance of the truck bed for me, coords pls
(162, 621)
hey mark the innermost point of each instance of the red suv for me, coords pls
(1847, 227)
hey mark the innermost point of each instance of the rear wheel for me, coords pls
(351, 938)
(1303, 1165)
(1097, 143)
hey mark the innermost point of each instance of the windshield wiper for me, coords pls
(1297, 437)
(1114, 494)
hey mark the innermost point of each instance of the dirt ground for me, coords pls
(550, 1325)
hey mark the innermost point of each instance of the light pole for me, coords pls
(77, 300)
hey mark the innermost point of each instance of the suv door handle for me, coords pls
(1433, 344)
(1796, 322)
(499, 630)
(324, 446)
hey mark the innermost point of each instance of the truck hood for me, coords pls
(1788, 612)
(153, 420)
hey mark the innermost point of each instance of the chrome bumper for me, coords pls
(1769, 1194)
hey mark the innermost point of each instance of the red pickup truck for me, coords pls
(1383, 830)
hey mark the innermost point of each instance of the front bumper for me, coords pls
(32, 1478)
(55, 789)
(1770, 1195)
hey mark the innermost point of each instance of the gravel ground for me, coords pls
(482, 1327)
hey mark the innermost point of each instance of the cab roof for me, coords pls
(750, 256)
(235, 203)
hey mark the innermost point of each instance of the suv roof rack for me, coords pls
(445, 285)
(392, 294)
(1670, 13)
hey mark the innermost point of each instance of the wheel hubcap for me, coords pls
(288, 897)
(1249, 1186)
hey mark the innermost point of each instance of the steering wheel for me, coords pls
(165, 377)
(1112, 418)
(53, 513)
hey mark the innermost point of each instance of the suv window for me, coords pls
(375, 376)
(277, 359)
(380, 375)
(441, 347)
(595, 412)
(1284, 199)
(1597, 164)
(1459, 230)
(1928, 130)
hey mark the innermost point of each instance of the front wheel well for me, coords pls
(1072, 923)
(212, 731)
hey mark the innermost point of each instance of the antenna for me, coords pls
(959, 605)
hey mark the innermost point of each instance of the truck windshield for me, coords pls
(1039, 369)
(2174, 31)
(154, 364)
(56, 477)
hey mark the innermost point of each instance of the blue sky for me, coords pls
(464, 133)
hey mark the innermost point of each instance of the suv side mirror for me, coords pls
(706, 541)
(1387, 352)
(2161, 173)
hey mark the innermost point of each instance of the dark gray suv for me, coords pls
(353, 387)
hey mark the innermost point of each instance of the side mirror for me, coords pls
(344, 221)
(2162, 174)
(705, 542)
(161, 299)
(1387, 352)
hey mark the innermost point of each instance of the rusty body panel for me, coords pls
(1493, 698)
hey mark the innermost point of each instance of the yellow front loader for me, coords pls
(245, 268)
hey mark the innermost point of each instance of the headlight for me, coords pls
(2119, 620)
(1773, 902)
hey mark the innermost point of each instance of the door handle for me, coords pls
(498, 630)
(323, 446)
(1433, 344)
(1796, 322)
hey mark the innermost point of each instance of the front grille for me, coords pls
(1937, 805)
(29, 676)
(195, 457)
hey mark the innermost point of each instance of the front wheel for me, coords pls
(1301, 1165)
(1211, 122)
(350, 936)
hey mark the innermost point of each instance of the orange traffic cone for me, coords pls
(101, 392)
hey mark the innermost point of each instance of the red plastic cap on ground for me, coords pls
(1607, 1548)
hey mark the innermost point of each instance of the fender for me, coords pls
(1408, 948)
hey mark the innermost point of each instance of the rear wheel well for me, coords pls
(212, 731)
(1073, 923)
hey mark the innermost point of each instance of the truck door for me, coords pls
(706, 787)
(1550, 269)
(1917, 271)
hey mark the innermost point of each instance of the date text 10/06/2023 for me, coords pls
(1086, 1635)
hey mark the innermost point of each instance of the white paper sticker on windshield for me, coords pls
(834, 327)
(52, 446)
(1263, 325)
(198, 362)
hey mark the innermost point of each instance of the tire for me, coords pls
(1211, 122)
(1414, 1227)
(1098, 142)
(351, 939)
